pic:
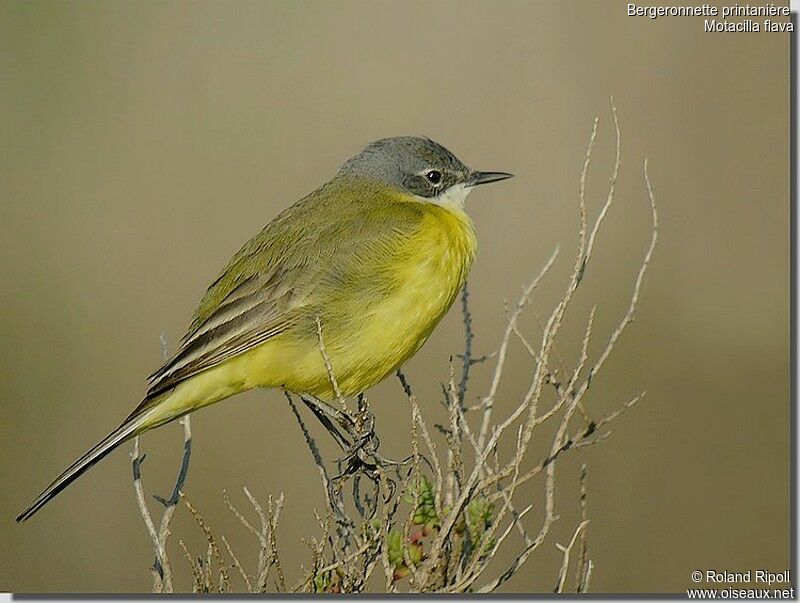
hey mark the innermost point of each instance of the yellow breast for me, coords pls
(429, 275)
(426, 274)
(369, 337)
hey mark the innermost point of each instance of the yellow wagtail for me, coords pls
(375, 257)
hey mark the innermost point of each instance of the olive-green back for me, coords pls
(333, 237)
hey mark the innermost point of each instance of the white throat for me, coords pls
(453, 197)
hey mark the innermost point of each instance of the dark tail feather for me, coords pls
(123, 433)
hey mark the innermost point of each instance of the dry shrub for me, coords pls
(435, 521)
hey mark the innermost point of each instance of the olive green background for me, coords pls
(142, 143)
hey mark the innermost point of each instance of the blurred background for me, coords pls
(145, 142)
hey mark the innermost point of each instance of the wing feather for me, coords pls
(271, 283)
(234, 327)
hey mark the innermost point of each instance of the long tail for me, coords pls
(120, 435)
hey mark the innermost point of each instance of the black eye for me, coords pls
(434, 176)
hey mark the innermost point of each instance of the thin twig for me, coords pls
(466, 358)
(162, 567)
(329, 368)
(567, 550)
(237, 565)
(488, 401)
(582, 571)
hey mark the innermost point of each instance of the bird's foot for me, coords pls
(354, 432)
(339, 423)
(362, 454)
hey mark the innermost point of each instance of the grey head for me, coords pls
(418, 166)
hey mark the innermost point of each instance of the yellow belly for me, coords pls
(365, 341)
(379, 337)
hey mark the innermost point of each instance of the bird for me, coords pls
(366, 266)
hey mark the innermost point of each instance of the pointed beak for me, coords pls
(476, 178)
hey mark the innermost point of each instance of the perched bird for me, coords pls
(373, 260)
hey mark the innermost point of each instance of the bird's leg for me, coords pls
(354, 432)
(351, 433)
(363, 456)
(330, 418)
(355, 435)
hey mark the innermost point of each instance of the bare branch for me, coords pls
(329, 368)
(567, 550)
(488, 401)
(163, 570)
(162, 581)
